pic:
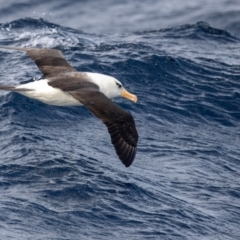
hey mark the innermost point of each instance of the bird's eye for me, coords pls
(118, 84)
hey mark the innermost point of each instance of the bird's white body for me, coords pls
(42, 91)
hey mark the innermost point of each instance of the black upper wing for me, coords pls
(120, 123)
(72, 82)
(49, 61)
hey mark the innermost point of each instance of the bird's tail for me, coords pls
(13, 88)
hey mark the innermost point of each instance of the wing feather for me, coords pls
(49, 61)
(120, 123)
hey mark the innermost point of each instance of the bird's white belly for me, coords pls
(40, 90)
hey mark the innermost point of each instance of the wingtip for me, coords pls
(127, 161)
(126, 150)
(127, 165)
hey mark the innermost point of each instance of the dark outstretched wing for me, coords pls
(72, 82)
(119, 122)
(49, 61)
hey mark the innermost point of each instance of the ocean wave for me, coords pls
(60, 177)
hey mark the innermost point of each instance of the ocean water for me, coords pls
(60, 177)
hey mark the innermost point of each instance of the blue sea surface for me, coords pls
(60, 177)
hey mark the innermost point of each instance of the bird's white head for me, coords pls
(111, 87)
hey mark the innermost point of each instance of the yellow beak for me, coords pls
(128, 95)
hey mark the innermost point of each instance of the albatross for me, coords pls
(63, 85)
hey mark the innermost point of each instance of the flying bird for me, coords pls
(63, 85)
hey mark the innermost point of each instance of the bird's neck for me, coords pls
(104, 83)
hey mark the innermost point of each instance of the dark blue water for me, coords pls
(60, 177)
